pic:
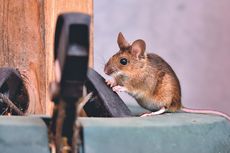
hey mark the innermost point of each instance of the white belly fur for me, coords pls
(148, 104)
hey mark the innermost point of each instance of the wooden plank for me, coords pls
(27, 36)
(22, 47)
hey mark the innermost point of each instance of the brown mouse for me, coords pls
(148, 78)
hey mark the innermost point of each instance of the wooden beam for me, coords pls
(26, 42)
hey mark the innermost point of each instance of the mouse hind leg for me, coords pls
(161, 111)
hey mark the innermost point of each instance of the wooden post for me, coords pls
(26, 42)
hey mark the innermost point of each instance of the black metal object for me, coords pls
(105, 103)
(71, 52)
(14, 94)
(72, 45)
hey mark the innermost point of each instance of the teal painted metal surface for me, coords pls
(23, 135)
(168, 133)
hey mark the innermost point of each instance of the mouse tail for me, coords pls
(204, 111)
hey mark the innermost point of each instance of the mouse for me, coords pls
(148, 78)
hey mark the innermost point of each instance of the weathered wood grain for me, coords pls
(26, 42)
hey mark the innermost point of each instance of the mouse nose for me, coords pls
(108, 70)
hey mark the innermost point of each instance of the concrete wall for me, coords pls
(193, 36)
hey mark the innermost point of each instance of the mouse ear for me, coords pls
(138, 48)
(122, 43)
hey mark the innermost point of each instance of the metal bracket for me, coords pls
(105, 102)
(13, 93)
(71, 52)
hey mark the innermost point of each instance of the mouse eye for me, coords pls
(123, 61)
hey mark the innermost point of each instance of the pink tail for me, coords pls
(203, 111)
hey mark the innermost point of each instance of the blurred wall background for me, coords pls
(193, 36)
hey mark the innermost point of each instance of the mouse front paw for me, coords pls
(119, 89)
(111, 82)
